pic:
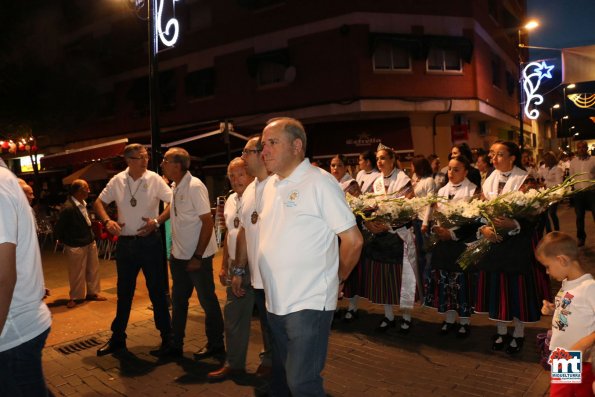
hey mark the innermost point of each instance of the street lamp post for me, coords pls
(528, 26)
(153, 86)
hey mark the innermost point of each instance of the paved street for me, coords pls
(360, 362)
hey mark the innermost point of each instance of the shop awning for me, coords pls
(84, 155)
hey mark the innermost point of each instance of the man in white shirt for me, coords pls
(301, 264)
(25, 319)
(583, 164)
(137, 193)
(191, 261)
(245, 273)
(238, 309)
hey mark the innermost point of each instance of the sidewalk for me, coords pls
(360, 362)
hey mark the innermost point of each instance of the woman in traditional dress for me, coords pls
(367, 171)
(511, 284)
(451, 290)
(423, 186)
(388, 267)
(339, 171)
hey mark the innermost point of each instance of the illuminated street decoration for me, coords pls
(531, 82)
(172, 23)
(585, 100)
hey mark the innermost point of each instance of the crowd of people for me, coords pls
(293, 247)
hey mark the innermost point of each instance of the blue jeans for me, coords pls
(184, 283)
(21, 374)
(300, 342)
(132, 255)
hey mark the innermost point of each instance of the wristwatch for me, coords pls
(196, 256)
(238, 271)
(157, 224)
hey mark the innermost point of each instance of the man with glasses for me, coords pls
(191, 261)
(137, 193)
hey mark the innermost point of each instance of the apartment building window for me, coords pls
(444, 60)
(270, 73)
(496, 71)
(511, 83)
(271, 68)
(138, 94)
(106, 106)
(200, 83)
(493, 9)
(167, 89)
(389, 56)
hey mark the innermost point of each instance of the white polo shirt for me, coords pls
(147, 190)
(190, 201)
(252, 201)
(231, 212)
(298, 245)
(28, 315)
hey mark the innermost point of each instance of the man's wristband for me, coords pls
(238, 271)
(105, 222)
(196, 256)
(157, 224)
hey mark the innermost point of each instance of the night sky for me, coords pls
(562, 23)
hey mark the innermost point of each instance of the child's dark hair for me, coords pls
(557, 243)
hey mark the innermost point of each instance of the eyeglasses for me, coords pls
(248, 151)
(141, 157)
(166, 161)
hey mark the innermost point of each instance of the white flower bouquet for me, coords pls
(394, 211)
(515, 205)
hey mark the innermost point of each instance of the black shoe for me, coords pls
(519, 345)
(208, 351)
(167, 351)
(385, 324)
(503, 342)
(446, 328)
(463, 331)
(581, 242)
(405, 326)
(111, 347)
(350, 315)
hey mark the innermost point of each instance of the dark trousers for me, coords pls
(300, 342)
(132, 255)
(21, 374)
(184, 283)
(552, 214)
(583, 201)
(267, 338)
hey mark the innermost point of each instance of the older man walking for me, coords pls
(301, 264)
(73, 229)
(191, 262)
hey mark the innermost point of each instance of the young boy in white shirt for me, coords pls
(573, 322)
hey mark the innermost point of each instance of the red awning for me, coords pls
(84, 155)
